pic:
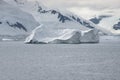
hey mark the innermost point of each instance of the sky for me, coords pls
(85, 8)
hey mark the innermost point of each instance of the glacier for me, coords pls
(62, 35)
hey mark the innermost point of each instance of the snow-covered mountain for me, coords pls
(56, 22)
(59, 26)
(109, 21)
(14, 22)
(98, 19)
(50, 17)
(54, 17)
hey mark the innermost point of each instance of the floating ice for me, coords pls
(62, 35)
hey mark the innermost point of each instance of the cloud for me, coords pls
(94, 4)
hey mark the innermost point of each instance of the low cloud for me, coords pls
(93, 4)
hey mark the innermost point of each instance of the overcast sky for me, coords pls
(85, 8)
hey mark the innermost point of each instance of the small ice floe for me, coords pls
(5, 39)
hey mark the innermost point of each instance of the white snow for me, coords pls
(108, 22)
(10, 15)
(62, 35)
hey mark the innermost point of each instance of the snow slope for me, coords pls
(14, 22)
(109, 21)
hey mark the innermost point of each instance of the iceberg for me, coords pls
(90, 36)
(46, 35)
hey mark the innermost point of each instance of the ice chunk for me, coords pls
(90, 36)
(74, 38)
(62, 35)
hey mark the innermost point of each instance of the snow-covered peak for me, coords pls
(44, 15)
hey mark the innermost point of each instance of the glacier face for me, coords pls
(62, 35)
(15, 22)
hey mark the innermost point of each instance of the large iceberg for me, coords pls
(44, 35)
